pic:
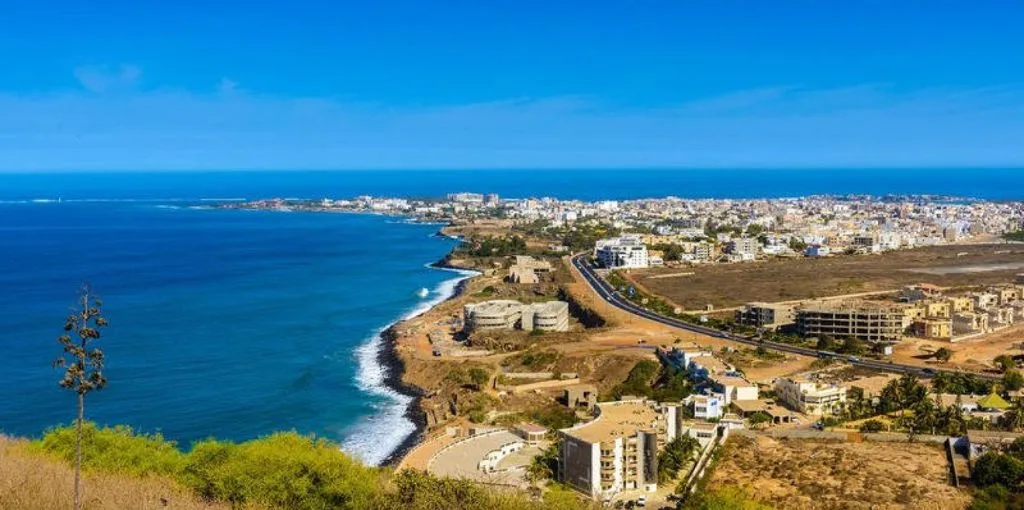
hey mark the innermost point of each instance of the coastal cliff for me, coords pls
(394, 360)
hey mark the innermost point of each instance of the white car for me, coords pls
(641, 501)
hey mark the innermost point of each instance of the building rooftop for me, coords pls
(617, 419)
(711, 363)
(732, 380)
(532, 428)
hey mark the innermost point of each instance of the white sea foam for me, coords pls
(377, 436)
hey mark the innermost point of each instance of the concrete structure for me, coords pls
(934, 328)
(581, 396)
(746, 247)
(621, 252)
(871, 322)
(530, 432)
(491, 456)
(765, 315)
(961, 304)
(969, 323)
(984, 300)
(617, 451)
(526, 268)
(809, 397)
(497, 314)
(919, 292)
(549, 316)
(509, 314)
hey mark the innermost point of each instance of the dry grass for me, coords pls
(29, 481)
(797, 474)
(725, 285)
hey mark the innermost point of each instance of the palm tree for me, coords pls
(1013, 420)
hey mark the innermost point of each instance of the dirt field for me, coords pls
(727, 285)
(973, 354)
(797, 474)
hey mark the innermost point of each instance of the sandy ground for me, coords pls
(727, 285)
(974, 354)
(799, 474)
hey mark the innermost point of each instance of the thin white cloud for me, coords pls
(227, 86)
(101, 79)
(869, 125)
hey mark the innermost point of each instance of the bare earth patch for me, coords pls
(727, 285)
(803, 474)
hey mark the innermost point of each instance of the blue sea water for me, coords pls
(230, 324)
(235, 324)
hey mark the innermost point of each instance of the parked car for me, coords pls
(929, 371)
(641, 501)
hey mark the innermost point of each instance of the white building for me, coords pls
(622, 252)
(809, 397)
(706, 407)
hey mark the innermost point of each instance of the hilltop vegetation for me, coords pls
(125, 469)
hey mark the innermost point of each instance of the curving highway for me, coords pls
(610, 295)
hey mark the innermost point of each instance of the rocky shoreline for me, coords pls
(394, 368)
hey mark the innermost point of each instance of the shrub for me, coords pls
(872, 426)
(114, 449)
(284, 470)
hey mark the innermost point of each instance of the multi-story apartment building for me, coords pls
(618, 450)
(745, 247)
(621, 252)
(809, 397)
(934, 328)
(871, 322)
(764, 315)
(704, 252)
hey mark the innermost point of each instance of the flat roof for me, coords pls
(617, 419)
(733, 380)
(750, 406)
(531, 428)
(711, 363)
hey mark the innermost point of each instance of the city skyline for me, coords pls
(407, 85)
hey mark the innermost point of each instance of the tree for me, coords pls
(1013, 419)
(995, 468)
(1004, 362)
(83, 365)
(853, 345)
(674, 457)
(479, 377)
(758, 418)
(943, 354)
(825, 343)
(1012, 380)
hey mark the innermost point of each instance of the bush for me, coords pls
(638, 382)
(284, 470)
(872, 426)
(114, 449)
(998, 469)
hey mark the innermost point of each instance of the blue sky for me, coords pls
(435, 84)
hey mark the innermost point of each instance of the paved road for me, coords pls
(611, 295)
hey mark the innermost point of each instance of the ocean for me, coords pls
(234, 324)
